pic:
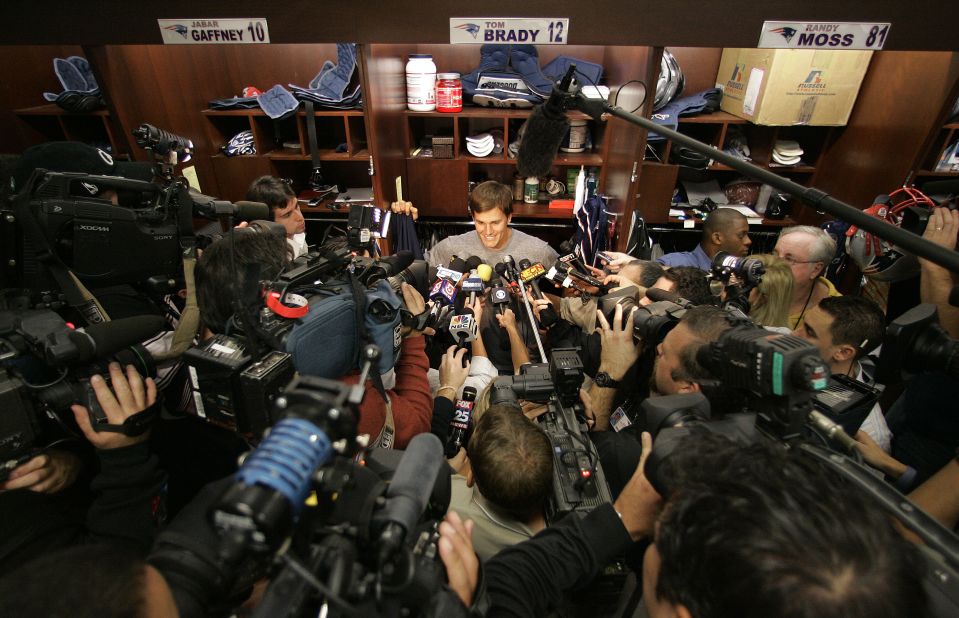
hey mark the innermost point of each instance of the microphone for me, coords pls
(559, 277)
(529, 274)
(472, 263)
(397, 263)
(572, 272)
(409, 493)
(571, 251)
(212, 208)
(473, 285)
(101, 340)
(500, 294)
(485, 272)
(464, 329)
(545, 129)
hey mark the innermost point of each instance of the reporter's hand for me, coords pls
(414, 303)
(452, 371)
(620, 281)
(456, 552)
(477, 307)
(458, 461)
(619, 260)
(873, 455)
(129, 395)
(46, 473)
(639, 503)
(405, 208)
(619, 350)
(507, 319)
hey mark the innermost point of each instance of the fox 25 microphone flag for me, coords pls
(592, 229)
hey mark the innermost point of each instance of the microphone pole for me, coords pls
(813, 197)
(511, 268)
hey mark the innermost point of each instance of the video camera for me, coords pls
(235, 378)
(46, 365)
(358, 544)
(748, 273)
(652, 322)
(579, 483)
(916, 343)
(61, 221)
(366, 224)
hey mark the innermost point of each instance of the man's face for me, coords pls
(794, 249)
(663, 284)
(668, 361)
(736, 240)
(291, 218)
(492, 228)
(816, 330)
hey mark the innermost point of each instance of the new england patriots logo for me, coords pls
(471, 28)
(787, 33)
(178, 28)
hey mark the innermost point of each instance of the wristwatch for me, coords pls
(603, 380)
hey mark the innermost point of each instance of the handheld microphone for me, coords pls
(212, 208)
(464, 329)
(571, 251)
(545, 130)
(473, 286)
(559, 277)
(596, 283)
(101, 340)
(472, 263)
(408, 493)
(529, 274)
(485, 272)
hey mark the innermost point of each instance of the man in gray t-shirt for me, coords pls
(491, 206)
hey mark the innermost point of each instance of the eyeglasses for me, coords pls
(791, 260)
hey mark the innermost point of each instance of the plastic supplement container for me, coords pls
(449, 92)
(421, 83)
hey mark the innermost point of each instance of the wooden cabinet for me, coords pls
(53, 123)
(283, 148)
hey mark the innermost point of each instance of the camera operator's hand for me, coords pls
(507, 319)
(456, 551)
(619, 350)
(621, 282)
(879, 459)
(619, 260)
(458, 461)
(414, 303)
(452, 372)
(405, 208)
(129, 395)
(47, 473)
(639, 503)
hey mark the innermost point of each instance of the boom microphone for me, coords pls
(101, 340)
(545, 130)
(409, 492)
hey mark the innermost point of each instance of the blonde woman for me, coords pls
(770, 300)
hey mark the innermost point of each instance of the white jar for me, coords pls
(421, 83)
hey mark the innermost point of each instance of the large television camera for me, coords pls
(235, 378)
(46, 365)
(324, 529)
(63, 222)
(579, 483)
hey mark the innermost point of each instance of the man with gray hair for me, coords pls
(807, 250)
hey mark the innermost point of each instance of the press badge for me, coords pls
(619, 420)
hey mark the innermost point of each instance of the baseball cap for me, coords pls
(76, 157)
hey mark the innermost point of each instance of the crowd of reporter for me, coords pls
(731, 529)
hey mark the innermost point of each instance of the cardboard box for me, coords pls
(783, 87)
